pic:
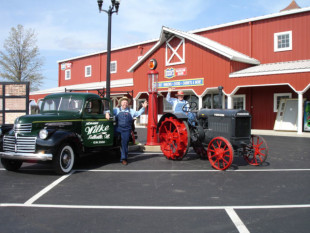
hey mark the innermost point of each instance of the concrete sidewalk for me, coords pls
(280, 133)
(142, 135)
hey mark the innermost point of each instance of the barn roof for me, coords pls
(300, 66)
(203, 41)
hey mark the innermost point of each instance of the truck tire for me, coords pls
(11, 165)
(63, 160)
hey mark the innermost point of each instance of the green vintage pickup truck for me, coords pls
(69, 125)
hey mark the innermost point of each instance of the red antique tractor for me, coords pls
(216, 134)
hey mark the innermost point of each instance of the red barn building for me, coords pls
(258, 61)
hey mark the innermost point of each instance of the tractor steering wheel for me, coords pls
(189, 107)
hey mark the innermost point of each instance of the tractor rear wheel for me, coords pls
(220, 153)
(174, 138)
(257, 151)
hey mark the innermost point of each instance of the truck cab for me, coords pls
(69, 125)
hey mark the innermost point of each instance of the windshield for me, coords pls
(62, 104)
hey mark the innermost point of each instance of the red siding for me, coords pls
(124, 57)
(256, 39)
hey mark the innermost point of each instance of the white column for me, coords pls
(199, 102)
(300, 112)
(134, 106)
(229, 102)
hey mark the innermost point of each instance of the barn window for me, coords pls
(87, 71)
(283, 41)
(277, 98)
(239, 102)
(113, 67)
(67, 74)
(175, 51)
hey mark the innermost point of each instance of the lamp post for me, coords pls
(112, 9)
(152, 110)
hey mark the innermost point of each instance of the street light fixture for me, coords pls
(112, 9)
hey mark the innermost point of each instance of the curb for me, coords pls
(143, 148)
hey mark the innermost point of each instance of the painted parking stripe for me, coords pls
(250, 170)
(155, 207)
(46, 189)
(236, 220)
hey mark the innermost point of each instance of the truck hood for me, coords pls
(47, 117)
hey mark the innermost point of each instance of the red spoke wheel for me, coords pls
(220, 153)
(174, 138)
(200, 150)
(257, 151)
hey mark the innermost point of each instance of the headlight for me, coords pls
(43, 134)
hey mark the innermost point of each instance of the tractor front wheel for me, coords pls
(174, 138)
(220, 153)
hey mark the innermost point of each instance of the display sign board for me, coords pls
(182, 83)
(172, 72)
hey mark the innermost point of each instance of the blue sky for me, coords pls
(69, 28)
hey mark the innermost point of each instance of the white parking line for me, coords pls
(155, 207)
(240, 170)
(46, 189)
(237, 221)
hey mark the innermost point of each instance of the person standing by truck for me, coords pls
(124, 118)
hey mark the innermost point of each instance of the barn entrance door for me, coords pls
(287, 115)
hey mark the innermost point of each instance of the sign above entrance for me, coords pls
(172, 72)
(182, 83)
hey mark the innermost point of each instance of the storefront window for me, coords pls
(277, 98)
(238, 101)
(167, 106)
(139, 103)
(192, 98)
(207, 101)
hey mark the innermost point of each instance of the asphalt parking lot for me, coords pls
(153, 194)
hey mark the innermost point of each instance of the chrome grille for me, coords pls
(19, 144)
(23, 128)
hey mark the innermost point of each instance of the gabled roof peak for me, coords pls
(293, 5)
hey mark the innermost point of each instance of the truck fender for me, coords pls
(58, 137)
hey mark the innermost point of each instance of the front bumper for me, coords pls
(26, 156)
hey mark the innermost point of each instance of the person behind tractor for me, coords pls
(178, 103)
(124, 118)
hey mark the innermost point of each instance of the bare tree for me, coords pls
(21, 61)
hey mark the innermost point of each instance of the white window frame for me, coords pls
(90, 71)
(67, 74)
(240, 96)
(175, 52)
(114, 71)
(275, 98)
(276, 42)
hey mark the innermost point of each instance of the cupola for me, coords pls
(293, 5)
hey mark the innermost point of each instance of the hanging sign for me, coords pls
(182, 83)
(172, 72)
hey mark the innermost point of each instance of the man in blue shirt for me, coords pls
(124, 118)
(178, 103)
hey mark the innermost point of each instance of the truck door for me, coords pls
(96, 129)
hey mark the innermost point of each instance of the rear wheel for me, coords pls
(174, 138)
(64, 159)
(220, 153)
(11, 165)
(257, 151)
